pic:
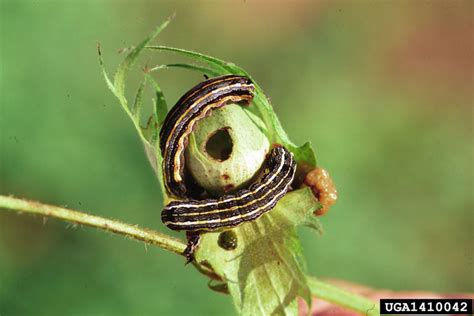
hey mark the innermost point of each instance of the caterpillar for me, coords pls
(194, 105)
(243, 206)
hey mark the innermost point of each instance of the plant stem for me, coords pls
(333, 294)
(132, 231)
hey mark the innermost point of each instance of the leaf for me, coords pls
(149, 134)
(197, 68)
(160, 108)
(265, 273)
(128, 62)
(137, 104)
(304, 202)
(275, 132)
(109, 83)
(118, 87)
(220, 67)
(258, 122)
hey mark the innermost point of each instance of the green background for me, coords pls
(384, 91)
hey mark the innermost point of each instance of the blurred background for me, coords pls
(384, 91)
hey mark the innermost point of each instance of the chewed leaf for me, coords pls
(118, 86)
(128, 62)
(305, 200)
(275, 132)
(149, 134)
(305, 153)
(265, 273)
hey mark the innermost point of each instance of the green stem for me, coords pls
(132, 231)
(335, 295)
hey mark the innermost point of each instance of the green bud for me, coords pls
(226, 150)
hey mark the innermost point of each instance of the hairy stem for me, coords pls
(132, 231)
(337, 296)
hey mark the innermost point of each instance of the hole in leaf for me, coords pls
(219, 145)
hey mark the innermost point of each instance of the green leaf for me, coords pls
(304, 202)
(149, 134)
(204, 70)
(265, 273)
(160, 108)
(128, 62)
(118, 87)
(109, 83)
(220, 67)
(137, 104)
(258, 122)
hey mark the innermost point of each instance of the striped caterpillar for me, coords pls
(196, 104)
(243, 206)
